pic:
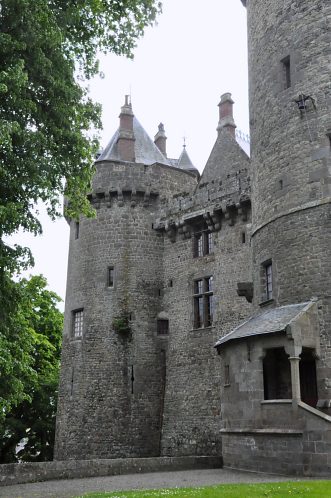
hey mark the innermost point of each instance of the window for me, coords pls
(76, 229)
(226, 375)
(243, 237)
(202, 243)
(110, 277)
(286, 63)
(78, 317)
(329, 138)
(162, 327)
(203, 302)
(268, 281)
(277, 375)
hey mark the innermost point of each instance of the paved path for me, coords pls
(185, 478)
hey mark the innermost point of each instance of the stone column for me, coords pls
(295, 378)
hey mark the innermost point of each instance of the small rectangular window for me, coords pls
(268, 280)
(203, 302)
(226, 375)
(111, 276)
(78, 319)
(162, 327)
(286, 62)
(202, 243)
(329, 138)
(76, 229)
(243, 237)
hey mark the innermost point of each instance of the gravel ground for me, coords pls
(186, 478)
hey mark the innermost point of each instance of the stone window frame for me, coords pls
(203, 306)
(76, 228)
(267, 281)
(77, 323)
(110, 277)
(226, 375)
(328, 135)
(272, 356)
(162, 327)
(203, 243)
(287, 73)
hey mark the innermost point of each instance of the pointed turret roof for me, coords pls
(184, 162)
(226, 158)
(145, 151)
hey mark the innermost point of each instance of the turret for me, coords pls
(113, 363)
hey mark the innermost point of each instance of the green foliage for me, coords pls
(45, 114)
(303, 489)
(48, 48)
(121, 324)
(29, 370)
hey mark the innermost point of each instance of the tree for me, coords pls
(38, 325)
(44, 113)
(46, 46)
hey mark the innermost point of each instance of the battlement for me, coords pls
(134, 196)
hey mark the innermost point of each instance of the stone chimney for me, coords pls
(126, 139)
(226, 114)
(160, 140)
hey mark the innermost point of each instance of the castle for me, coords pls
(176, 267)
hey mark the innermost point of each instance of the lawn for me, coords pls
(308, 489)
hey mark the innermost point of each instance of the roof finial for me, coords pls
(184, 142)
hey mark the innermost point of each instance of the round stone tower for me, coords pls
(113, 363)
(290, 125)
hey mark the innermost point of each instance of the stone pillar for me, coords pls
(295, 378)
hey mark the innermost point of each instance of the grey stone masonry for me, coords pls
(139, 376)
(279, 377)
(173, 263)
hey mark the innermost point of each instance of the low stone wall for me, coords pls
(19, 473)
(265, 451)
(305, 451)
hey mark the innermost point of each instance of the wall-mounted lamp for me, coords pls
(302, 100)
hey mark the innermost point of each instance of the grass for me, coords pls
(300, 489)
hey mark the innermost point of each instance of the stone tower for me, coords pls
(151, 283)
(290, 123)
(110, 398)
(284, 349)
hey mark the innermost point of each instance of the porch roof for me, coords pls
(269, 322)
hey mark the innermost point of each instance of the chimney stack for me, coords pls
(160, 140)
(226, 114)
(126, 139)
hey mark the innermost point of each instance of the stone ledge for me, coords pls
(20, 473)
(277, 432)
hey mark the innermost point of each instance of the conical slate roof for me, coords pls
(184, 162)
(146, 151)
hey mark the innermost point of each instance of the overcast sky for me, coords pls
(196, 52)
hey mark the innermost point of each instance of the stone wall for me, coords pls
(74, 469)
(290, 148)
(192, 397)
(289, 55)
(110, 398)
